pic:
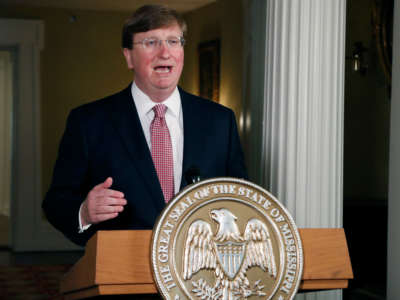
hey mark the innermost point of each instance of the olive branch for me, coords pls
(204, 291)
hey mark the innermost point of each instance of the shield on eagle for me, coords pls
(230, 256)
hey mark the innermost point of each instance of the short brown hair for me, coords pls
(149, 17)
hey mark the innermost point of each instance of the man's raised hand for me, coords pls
(102, 203)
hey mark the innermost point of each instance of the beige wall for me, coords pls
(231, 54)
(81, 62)
(222, 20)
(203, 25)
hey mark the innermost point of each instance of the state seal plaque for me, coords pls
(226, 239)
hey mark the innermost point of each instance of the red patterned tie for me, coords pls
(161, 151)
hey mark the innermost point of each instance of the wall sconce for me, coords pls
(358, 63)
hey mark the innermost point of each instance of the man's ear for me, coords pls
(128, 57)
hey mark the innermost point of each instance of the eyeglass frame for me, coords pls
(158, 45)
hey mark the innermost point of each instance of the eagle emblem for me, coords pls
(226, 239)
(229, 254)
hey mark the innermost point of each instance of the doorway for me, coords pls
(366, 145)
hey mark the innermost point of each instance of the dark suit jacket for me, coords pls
(105, 138)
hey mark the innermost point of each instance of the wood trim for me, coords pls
(324, 284)
(112, 289)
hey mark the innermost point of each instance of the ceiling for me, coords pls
(110, 5)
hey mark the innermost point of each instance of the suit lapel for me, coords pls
(127, 123)
(192, 123)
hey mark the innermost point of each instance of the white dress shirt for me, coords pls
(174, 119)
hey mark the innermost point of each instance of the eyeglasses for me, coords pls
(154, 43)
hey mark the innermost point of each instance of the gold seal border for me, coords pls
(165, 213)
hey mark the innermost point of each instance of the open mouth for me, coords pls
(163, 69)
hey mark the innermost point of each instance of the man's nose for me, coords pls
(164, 50)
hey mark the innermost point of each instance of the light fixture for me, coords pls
(358, 63)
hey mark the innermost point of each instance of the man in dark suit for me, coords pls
(123, 157)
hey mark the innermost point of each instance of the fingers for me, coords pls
(108, 182)
(104, 185)
(111, 201)
(107, 209)
(102, 203)
(105, 217)
(109, 193)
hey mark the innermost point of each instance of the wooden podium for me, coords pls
(118, 262)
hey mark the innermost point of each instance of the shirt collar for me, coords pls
(144, 104)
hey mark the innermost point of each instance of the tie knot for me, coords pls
(159, 110)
